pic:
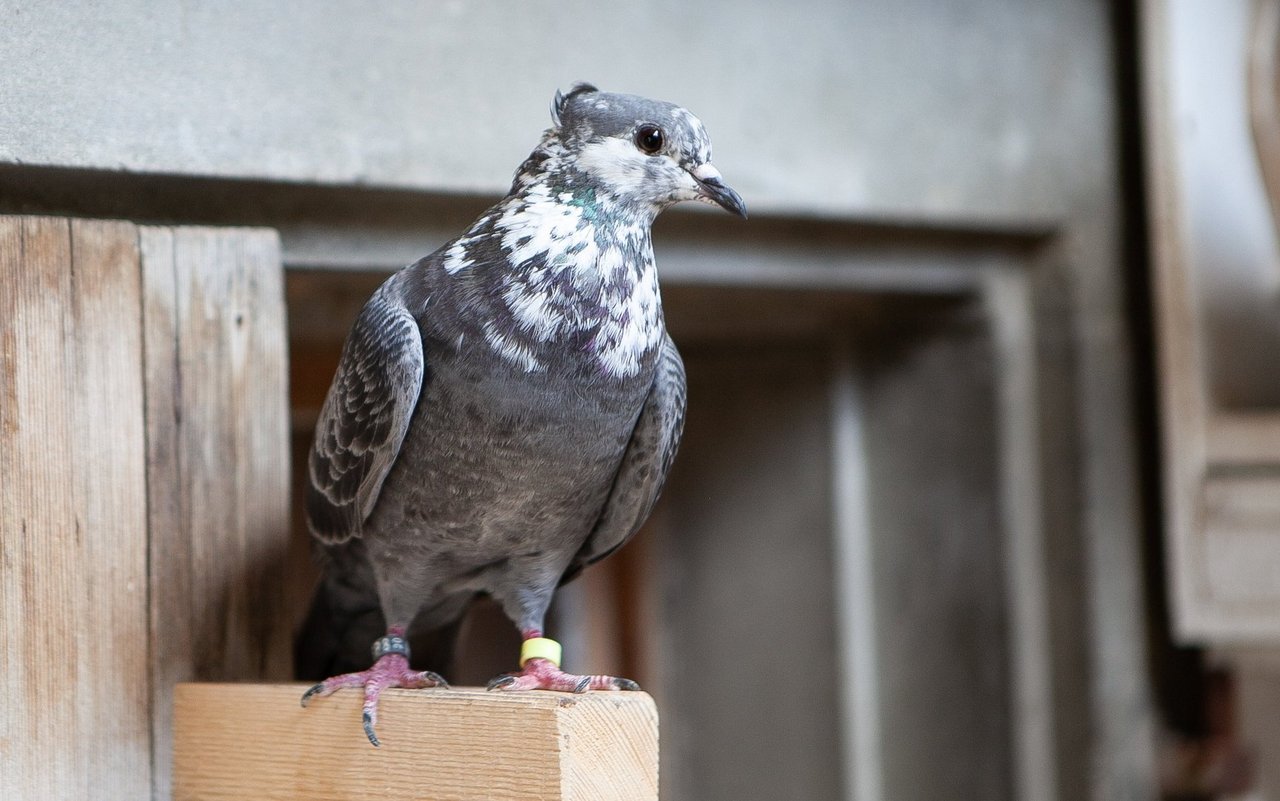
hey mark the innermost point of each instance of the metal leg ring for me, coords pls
(391, 644)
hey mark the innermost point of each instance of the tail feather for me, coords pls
(345, 619)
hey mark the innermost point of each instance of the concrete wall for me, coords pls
(916, 108)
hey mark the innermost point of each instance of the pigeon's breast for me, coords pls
(541, 334)
(554, 278)
(605, 317)
(501, 461)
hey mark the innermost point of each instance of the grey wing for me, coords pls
(644, 466)
(364, 418)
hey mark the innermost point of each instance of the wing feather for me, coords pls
(364, 418)
(645, 465)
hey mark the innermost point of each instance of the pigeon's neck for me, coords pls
(552, 166)
(563, 272)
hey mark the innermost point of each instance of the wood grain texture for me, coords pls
(254, 741)
(218, 464)
(144, 491)
(74, 722)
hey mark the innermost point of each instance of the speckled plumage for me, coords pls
(506, 409)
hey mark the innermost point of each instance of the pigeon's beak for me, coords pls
(712, 187)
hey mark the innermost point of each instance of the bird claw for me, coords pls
(540, 674)
(501, 682)
(317, 689)
(433, 679)
(391, 670)
(368, 729)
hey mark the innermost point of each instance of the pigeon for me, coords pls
(506, 409)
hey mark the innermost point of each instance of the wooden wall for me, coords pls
(143, 506)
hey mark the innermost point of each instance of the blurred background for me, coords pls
(980, 492)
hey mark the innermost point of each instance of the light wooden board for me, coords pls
(73, 568)
(143, 491)
(237, 741)
(217, 434)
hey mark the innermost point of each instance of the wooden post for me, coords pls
(73, 495)
(236, 741)
(143, 490)
(217, 462)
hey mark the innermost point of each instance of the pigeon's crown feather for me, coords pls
(587, 114)
(558, 102)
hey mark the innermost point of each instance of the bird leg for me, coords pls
(540, 670)
(390, 669)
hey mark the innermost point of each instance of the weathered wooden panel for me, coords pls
(143, 490)
(73, 567)
(217, 444)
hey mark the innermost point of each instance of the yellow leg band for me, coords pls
(540, 648)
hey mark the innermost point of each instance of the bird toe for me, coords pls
(501, 683)
(311, 692)
(432, 679)
(368, 730)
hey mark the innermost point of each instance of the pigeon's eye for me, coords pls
(650, 139)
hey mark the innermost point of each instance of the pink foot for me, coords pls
(391, 670)
(542, 674)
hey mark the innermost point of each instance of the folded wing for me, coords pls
(365, 417)
(644, 465)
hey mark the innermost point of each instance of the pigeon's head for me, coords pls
(642, 152)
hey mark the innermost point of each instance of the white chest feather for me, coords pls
(568, 278)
